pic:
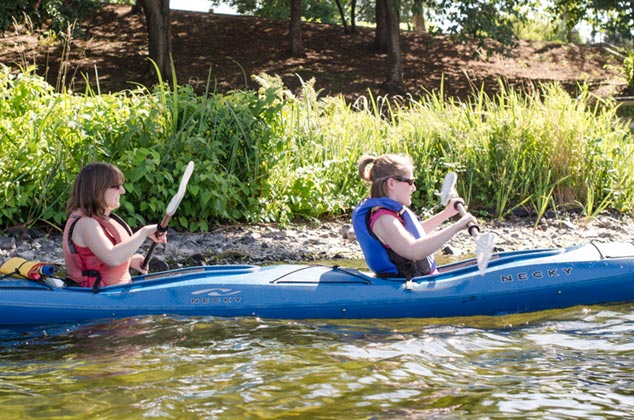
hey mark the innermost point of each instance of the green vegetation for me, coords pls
(541, 28)
(273, 156)
(628, 68)
(57, 15)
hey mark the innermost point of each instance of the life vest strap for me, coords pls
(93, 273)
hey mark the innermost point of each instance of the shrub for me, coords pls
(269, 155)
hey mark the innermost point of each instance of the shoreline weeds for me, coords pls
(323, 241)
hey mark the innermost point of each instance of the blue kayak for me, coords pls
(514, 282)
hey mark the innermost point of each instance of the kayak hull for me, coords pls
(514, 282)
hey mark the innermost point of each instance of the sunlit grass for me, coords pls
(273, 155)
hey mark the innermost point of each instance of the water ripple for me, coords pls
(566, 364)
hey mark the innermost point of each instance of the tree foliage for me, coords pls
(615, 18)
(312, 11)
(57, 14)
(481, 19)
(464, 19)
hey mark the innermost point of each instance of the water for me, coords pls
(576, 363)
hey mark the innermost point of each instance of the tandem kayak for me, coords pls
(514, 282)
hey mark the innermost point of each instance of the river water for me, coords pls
(576, 363)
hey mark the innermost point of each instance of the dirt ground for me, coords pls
(232, 48)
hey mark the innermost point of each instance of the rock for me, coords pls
(567, 224)
(7, 245)
(345, 230)
(550, 214)
(250, 238)
(157, 264)
(521, 212)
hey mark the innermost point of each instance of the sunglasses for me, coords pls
(410, 181)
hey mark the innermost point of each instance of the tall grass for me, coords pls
(541, 151)
(271, 155)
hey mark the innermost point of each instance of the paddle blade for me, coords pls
(448, 188)
(484, 250)
(176, 200)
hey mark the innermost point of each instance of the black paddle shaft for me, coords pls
(473, 229)
(162, 228)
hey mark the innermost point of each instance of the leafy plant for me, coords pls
(628, 68)
(271, 155)
(57, 14)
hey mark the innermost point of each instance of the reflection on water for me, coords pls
(574, 363)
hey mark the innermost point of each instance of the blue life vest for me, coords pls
(379, 258)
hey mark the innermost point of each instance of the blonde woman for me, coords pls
(394, 242)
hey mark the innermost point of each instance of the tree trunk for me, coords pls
(394, 81)
(295, 34)
(419, 23)
(353, 16)
(157, 17)
(417, 12)
(136, 9)
(381, 33)
(343, 16)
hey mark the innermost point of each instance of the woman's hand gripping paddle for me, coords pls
(171, 209)
(484, 241)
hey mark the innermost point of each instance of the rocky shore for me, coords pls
(325, 242)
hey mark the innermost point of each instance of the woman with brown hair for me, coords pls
(99, 247)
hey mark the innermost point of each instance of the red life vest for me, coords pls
(83, 266)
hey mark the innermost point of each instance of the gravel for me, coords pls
(326, 241)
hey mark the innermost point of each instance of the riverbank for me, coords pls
(330, 241)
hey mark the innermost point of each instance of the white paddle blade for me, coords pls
(484, 250)
(176, 200)
(448, 188)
